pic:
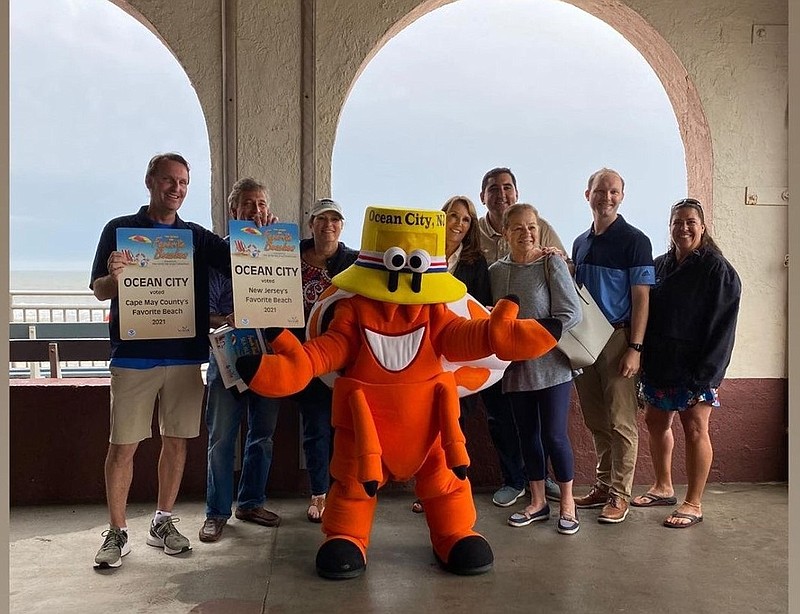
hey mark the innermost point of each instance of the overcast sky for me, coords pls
(94, 95)
(536, 85)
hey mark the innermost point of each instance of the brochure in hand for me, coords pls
(228, 344)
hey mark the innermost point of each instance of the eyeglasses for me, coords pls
(687, 202)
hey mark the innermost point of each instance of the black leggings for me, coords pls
(541, 417)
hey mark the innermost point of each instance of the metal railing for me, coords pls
(56, 306)
(66, 326)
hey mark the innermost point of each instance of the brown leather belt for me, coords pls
(618, 325)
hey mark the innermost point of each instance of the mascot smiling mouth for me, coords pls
(394, 352)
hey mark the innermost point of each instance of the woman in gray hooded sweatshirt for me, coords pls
(539, 389)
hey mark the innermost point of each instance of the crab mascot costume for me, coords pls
(395, 407)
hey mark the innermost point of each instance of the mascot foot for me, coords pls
(470, 556)
(340, 559)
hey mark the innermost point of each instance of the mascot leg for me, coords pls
(450, 513)
(348, 517)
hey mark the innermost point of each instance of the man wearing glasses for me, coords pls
(614, 261)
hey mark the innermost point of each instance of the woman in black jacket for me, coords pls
(687, 348)
(465, 262)
(322, 257)
(463, 248)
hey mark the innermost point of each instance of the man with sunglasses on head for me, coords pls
(614, 261)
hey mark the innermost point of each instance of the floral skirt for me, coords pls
(676, 398)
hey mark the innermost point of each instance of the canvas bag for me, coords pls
(583, 343)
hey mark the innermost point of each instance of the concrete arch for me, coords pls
(194, 60)
(692, 123)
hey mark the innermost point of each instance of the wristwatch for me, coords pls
(635, 346)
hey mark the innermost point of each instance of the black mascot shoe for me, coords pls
(469, 556)
(340, 559)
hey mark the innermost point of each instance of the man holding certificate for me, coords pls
(248, 200)
(149, 360)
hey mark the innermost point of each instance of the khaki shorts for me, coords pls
(179, 390)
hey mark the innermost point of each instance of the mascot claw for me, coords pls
(371, 487)
(552, 326)
(247, 366)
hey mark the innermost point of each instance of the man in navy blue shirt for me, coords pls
(614, 261)
(148, 369)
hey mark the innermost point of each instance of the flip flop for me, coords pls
(316, 509)
(692, 518)
(651, 500)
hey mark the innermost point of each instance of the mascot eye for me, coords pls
(394, 258)
(419, 261)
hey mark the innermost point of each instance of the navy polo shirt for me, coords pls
(610, 263)
(209, 250)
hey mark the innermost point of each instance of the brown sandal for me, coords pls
(317, 507)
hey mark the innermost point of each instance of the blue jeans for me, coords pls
(223, 418)
(315, 407)
(503, 431)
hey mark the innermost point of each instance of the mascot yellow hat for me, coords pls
(402, 259)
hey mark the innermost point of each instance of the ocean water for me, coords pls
(27, 304)
(49, 280)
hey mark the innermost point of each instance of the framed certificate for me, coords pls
(267, 283)
(156, 289)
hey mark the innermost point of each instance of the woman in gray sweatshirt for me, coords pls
(539, 389)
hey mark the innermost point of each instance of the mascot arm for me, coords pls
(501, 334)
(453, 440)
(285, 372)
(513, 339)
(369, 467)
(293, 364)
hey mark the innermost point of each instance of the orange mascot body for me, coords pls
(395, 408)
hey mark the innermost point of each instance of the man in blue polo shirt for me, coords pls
(614, 261)
(148, 369)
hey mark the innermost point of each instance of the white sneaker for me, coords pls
(113, 549)
(165, 535)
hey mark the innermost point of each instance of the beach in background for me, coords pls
(53, 296)
(49, 280)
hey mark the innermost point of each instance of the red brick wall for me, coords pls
(748, 433)
(59, 437)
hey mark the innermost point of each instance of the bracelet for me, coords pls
(635, 346)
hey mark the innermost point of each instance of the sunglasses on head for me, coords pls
(687, 202)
